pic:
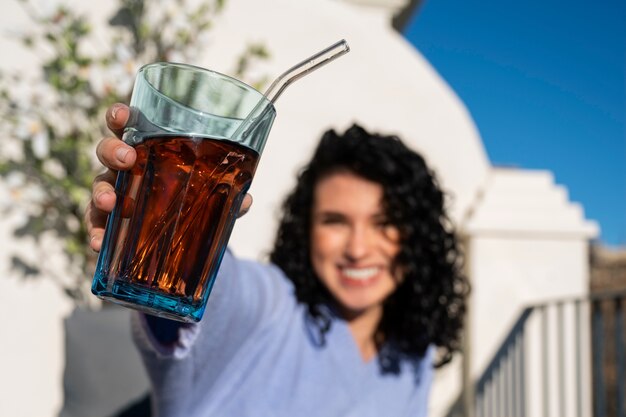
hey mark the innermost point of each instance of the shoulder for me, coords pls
(263, 276)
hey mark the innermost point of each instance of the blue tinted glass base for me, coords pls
(148, 301)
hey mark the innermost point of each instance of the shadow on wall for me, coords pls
(103, 374)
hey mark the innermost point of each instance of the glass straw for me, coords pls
(292, 74)
(305, 67)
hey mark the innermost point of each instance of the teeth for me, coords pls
(360, 273)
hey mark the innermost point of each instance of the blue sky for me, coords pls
(545, 83)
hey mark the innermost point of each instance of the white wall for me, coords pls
(32, 347)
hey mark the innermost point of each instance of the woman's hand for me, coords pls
(115, 155)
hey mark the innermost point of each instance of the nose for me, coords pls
(358, 243)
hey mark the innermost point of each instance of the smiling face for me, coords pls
(352, 245)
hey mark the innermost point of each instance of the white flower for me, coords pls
(54, 168)
(33, 194)
(40, 143)
(24, 126)
(123, 53)
(179, 20)
(6, 198)
(11, 148)
(22, 191)
(121, 76)
(97, 79)
(83, 101)
(72, 223)
(15, 179)
(47, 8)
(177, 56)
(59, 118)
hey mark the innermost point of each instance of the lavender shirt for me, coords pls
(255, 354)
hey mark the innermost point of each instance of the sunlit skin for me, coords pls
(352, 251)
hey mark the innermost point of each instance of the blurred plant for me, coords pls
(53, 121)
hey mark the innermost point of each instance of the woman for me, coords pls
(364, 283)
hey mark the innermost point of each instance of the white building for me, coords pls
(526, 241)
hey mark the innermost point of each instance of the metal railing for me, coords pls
(609, 368)
(565, 337)
(500, 391)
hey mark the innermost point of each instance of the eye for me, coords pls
(387, 228)
(382, 222)
(330, 219)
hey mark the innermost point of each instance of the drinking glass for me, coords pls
(198, 135)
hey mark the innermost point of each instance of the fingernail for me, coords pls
(99, 196)
(114, 111)
(121, 154)
(95, 241)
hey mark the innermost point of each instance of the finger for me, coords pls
(103, 192)
(115, 154)
(117, 117)
(95, 220)
(245, 205)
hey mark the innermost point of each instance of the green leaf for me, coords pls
(27, 271)
(28, 41)
(34, 226)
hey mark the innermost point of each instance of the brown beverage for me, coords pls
(175, 211)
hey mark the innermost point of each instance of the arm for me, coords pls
(246, 297)
(165, 331)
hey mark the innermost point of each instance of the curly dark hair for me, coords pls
(428, 306)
